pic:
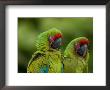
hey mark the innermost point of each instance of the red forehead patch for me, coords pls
(57, 36)
(83, 41)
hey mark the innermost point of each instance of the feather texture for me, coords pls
(46, 59)
(74, 62)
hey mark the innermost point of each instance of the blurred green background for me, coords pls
(30, 28)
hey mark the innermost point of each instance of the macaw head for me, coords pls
(77, 48)
(51, 39)
(81, 47)
(55, 41)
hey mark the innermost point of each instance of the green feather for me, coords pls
(50, 59)
(42, 42)
(45, 58)
(73, 63)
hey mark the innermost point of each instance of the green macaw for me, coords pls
(76, 56)
(47, 58)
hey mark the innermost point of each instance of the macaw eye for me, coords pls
(57, 43)
(81, 49)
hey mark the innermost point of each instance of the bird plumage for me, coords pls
(76, 56)
(47, 58)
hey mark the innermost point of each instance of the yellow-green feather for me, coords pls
(51, 59)
(48, 57)
(42, 42)
(73, 63)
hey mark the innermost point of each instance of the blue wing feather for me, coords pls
(44, 70)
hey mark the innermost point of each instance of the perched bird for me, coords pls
(76, 56)
(47, 58)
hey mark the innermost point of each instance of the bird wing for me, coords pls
(37, 64)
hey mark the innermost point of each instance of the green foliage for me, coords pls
(30, 28)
